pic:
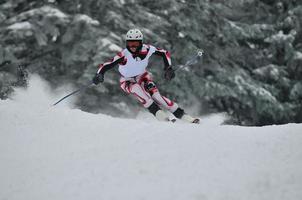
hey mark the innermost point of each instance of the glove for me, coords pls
(169, 73)
(98, 78)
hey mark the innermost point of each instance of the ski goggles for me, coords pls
(133, 43)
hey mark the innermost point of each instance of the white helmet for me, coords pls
(134, 34)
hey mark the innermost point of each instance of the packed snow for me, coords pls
(86, 19)
(60, 153)
(43, 11)
(113, 47)
(20, 26)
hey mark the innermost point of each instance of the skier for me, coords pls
(136, 80)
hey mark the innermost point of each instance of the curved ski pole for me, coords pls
(74, 92)
(191, 61)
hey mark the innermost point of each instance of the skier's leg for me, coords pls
(163, 101)
(173, 108)
(144, 97)
(136, 90)
(150, 88)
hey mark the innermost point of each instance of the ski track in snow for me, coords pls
(60, 153)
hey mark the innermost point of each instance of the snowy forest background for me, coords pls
(251, 68)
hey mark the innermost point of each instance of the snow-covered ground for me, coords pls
(59, 153)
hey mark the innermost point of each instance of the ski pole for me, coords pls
(191, 61)
(74, 92)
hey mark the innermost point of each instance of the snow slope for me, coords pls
(59, 153)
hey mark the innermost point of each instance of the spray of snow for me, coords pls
(38, 95)
(62, 153)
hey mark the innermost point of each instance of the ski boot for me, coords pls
(180, 114)
(162, 116)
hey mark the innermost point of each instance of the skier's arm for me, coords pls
(99, 76)
(169, 72)
(119, 58)
(165, 55)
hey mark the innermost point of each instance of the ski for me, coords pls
(196, 121)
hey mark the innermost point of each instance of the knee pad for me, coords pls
(150, 87)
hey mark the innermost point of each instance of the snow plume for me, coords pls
(38, 94)
(61, 153)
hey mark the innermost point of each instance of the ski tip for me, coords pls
(173, 120)
(196, 121)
